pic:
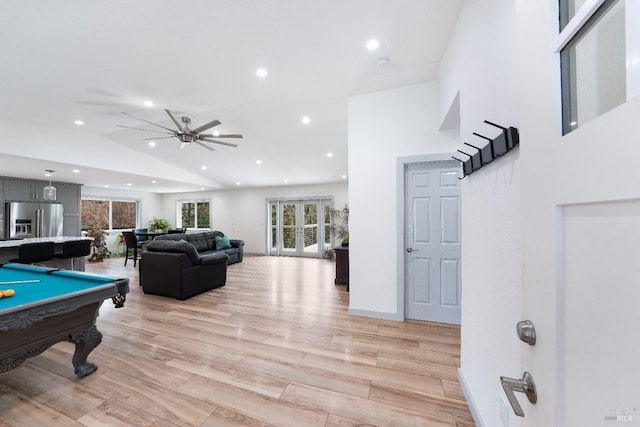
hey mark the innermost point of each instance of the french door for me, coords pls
(299, 227)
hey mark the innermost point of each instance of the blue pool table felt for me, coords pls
(52, 284)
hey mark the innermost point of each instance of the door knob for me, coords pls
(524, 385)
(409, 250)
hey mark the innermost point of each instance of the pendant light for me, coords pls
(49, 190)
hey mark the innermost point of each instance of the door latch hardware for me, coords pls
(409, 250)
(526, 332)
(524, 385)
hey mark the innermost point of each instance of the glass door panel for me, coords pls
(289, 228)
(310, 214)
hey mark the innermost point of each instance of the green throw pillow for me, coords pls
(222, 242)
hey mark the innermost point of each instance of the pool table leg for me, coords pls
(85, 342)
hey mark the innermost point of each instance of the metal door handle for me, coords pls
(524, 385)
(409, 250)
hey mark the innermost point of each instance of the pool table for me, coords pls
(50, 306)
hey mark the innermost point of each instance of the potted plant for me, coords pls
(339, 228)
(99, 245)
(158, 225)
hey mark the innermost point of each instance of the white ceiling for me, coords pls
(84, 60)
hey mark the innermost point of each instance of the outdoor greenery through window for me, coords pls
(108, 214)
(194, 214)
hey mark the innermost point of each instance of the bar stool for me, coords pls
(74, 249)
(31, 253)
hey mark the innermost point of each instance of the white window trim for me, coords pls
(576, 23)
(196, 201)
(111, 199)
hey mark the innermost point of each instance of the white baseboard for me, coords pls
(469, 397)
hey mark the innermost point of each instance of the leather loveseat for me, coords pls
(208, 242)
(176, 269)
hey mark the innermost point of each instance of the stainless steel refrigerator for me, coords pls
(33, 219)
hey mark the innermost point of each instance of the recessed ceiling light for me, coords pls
(153, 182)
(106, 186)
(148, 103)
(306, 120)
(152, 143)
(78, 122)
(238, 183)
(344, 176)
(373, 44)
(202, 188)
(204, 168)
(261, 72)
(258, 162)
(76, 171)
(286, 180)
(129, 184)
(329, 155)
(216, 133)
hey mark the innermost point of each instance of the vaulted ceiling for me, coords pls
(71, 60)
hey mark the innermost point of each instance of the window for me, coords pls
(593, 58)
(108, 214)
(193, 214)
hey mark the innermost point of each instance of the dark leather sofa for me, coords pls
(205, 243)
(175, 269)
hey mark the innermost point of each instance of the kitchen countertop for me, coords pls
(17, 243)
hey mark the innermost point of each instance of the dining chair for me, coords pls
(132, 246)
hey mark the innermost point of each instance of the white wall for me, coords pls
(242, 213)
(382, 127)
(479, 63)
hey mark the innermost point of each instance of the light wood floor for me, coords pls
(274, 347)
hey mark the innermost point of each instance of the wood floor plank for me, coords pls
(351, 407)
(254, 405)
(274, 347)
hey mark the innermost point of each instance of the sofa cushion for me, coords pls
(212, 258)
(211, 239)
(222, 242)
(176, 247)
(198, 240)
(175, 236)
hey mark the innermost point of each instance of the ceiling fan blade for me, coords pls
(160, 137)
(175, 120)
(207, 126)
(145, 120)
(207, 139)
(232, 135)
(205, 146)
(146, 130)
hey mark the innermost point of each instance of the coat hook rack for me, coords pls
(497, 147)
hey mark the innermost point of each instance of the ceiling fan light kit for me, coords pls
(183, 133)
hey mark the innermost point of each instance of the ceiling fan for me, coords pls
(183, 133)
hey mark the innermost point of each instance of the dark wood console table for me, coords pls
(342, 266)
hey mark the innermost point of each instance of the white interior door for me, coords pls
(432, 242)
(581, 252)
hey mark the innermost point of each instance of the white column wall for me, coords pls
(479, 63)
(382, 127)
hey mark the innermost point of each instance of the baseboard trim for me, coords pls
(376, 314)
(469, 397)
